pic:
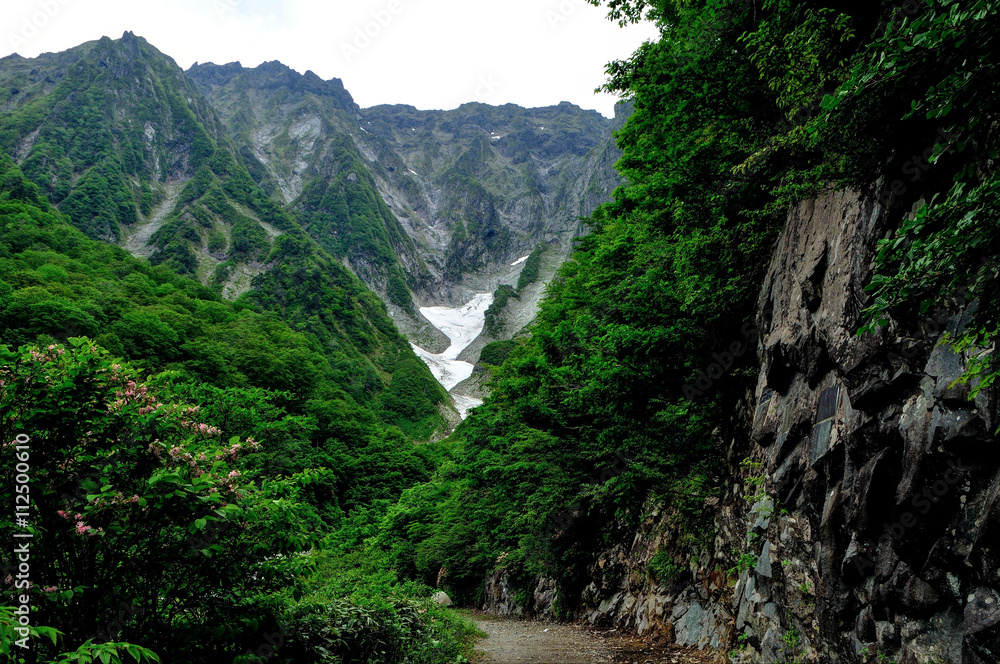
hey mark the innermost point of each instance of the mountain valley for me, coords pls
(284, 380)
(176, 171)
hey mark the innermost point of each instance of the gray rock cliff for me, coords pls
(863, 517)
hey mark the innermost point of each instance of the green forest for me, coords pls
(251, 480)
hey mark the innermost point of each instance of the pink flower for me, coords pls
(50, 589)
(81, 529)
(63, 514)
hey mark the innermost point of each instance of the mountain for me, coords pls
(425, 206)
(757, 413)
(275, 187)
(121, 141)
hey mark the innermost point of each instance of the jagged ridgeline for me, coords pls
(294, 132)
(119, 140)
(415, 201)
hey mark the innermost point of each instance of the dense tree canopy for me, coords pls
(255, 431)
(742, 107)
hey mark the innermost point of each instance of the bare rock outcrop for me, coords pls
(866, 524)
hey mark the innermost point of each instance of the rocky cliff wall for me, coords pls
(863, 518)
(887, 469)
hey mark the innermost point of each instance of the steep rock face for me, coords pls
(690, 606)
(294, 131)
(889, 468)
(862, 518)
(126, 145)
(481, 186)
(103, 127)
(426, 207)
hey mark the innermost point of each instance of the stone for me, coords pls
(771, 611)
(962, 426)
(764, 561)
(919, 595)
(763, 510)
(945, 365)
(856, 562)
(827, 407)
(982, 626)
(544, 596)
(937, 639)
(628, 604)
(441, 597)
(885, 635)
(761, 592)
(864, 626)
(787, 478)
(770, 646)
(691, 628)
(607, 605)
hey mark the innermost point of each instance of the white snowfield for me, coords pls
(519, 261)
(464, 404)
(462, 325)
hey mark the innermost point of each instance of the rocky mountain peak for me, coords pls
(272, 76)
(129, 55)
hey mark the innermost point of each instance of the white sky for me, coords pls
(427, 53)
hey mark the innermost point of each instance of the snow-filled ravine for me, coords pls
(462, 325)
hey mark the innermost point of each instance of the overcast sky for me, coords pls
(427, 53)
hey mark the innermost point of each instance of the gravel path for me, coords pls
(517, 641)
(511, 641)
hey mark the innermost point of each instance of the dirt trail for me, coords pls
(530, 642)
(137, 241)
(516, 641)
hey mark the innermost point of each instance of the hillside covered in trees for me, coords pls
(228, 471)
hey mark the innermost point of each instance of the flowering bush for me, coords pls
(136, 501)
